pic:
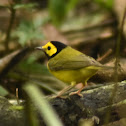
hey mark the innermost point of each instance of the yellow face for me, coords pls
(49, 49)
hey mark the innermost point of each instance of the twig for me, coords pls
(105, 55)
(116, 67)
(118, 45)
(12, 17)
(13, 60)
(17, 96)
(103, 24)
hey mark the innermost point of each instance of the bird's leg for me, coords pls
(66, 89)
(63, 91)
(79, 91)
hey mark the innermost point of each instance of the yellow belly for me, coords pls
(76, 76)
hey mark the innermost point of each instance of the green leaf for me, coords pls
(16, 107)
(47, 112)
(59, 9)
(24, 6)
(3, 91)
(29, 67)
(27, 32)
(71, 4)
(107, 4)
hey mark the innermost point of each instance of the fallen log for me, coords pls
(95, 102)
(93, 106)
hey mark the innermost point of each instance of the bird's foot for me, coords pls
(76, 92)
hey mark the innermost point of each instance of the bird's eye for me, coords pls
(49, 47)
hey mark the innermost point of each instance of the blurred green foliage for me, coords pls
(28, 31)
(40, 101)
(58, 9)
(35, 68)
(3, 91)
(29, 65)
(24, 6)
(106, 4)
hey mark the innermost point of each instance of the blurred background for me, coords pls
(90, 26)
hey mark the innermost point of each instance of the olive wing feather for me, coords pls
(73, 63)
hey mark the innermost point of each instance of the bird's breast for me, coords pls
(77, 76)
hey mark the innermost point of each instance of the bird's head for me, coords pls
(52, 48)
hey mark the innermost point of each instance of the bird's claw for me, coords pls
(78, 93)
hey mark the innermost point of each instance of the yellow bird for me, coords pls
(69, 65)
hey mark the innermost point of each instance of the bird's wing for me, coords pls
(73, 63)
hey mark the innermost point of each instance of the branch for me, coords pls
(11, 22)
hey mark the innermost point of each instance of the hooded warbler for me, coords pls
(69, 65)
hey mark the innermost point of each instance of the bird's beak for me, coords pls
(40, 48)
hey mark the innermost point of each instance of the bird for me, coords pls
(69, 65)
